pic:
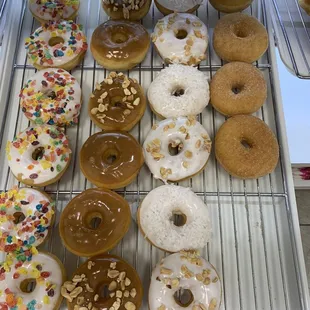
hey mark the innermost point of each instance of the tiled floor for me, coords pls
(303, 203)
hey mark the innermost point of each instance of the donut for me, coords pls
(173, 218)
(117, 103)
(246, 147)
(305, 4)
(94, 222)
(39, 155)
(111, 159)
(57, 45)
(44, 11)
(25, 217)
(230, 6)
(182, 6)
(177, 149)
(52, 96)
(181, 38)
(123, 9)
(179, 90)
(105, 282)
(240, 37)
(33, 283)
(185, 281)
(238, 88)
(119, 44)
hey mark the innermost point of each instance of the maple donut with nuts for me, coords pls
(181, 6)
(176, 149)
(181, 38)
(104, 282)
(117, 103)
(185, 280)
(123, 9)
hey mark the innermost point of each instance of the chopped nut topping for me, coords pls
(164, 270)
(133, 293)
(137, 101)
(122, 276)
(198, 34)
(88, 288)
(188, 154)
(157, 156)
(92, 96)
(80, 300)
(207, 281)
(133, 90)
(98, 86)
(130, 98)
(197, 24)
(126, 112)
(113, 265)
(215, 279)
(70, 286)
(113, 273)
(65, 294)
(110, 81)
(104, 95)
(78, 290)
(175, 282)
(127, 282)
(113, 75)
(77, 279)
(183, 129)
(94, 111)
(187, 273)
(165, 172)
(96, 297)
(126, 294)
(198, 144)
(123, 285)
(112, 286)
(213, 304)
(125, 84)
(119, 294)
(191, 121)
(199, 277)
(130, 306)
(112, 295)
(127, 92)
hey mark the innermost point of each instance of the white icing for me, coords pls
(179, 5)
(29, 271)
(55, 158)
(161, 295)
(195, 140)
(54, 9)
(174, 49)
(193, 82)
(61, 110)
(156, 212)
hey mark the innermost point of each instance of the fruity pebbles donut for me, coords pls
(57, 45)
(25, 217)
(31, 283)
(46, 10)
(39, 155)
(52, 96)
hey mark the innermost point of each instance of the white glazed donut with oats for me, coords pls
(185, 281)
(177, 149)
(179, 90)
(174, 218)
(181, 38)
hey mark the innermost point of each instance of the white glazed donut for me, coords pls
(191, 277)
(39, 155)
(184, 136)
(179, 90)
(46, 10)
(52, 96)
(57, 45)
(156, 219)
(181, 38)
(181, 6)
(30, 230)
(43, 269)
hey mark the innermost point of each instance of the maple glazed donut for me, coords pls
(179, 90)
(117, 103)
(94, 222)
(240, 37)
(57, 45)
(25, 217)
(181, 6)
(39, 155)
(181, 38)
(119, 44)
(52, 96)
(104, 282)
(177, 149)
(123, 9)
(230, 6)
(111, 159)
(43, 271)
(185, 281)
(246, 147)
(44, 10)
(174, 218)
(238, 88)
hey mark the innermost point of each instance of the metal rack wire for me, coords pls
(255, 247)
(292, 30)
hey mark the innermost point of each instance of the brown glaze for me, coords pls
(109, 106)
(76, 222)
(111, 159)
(96, 271)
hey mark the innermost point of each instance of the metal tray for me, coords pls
(256, 245)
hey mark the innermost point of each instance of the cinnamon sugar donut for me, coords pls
(240, 37)
(230, 6)
(238, 88)
(246, 147)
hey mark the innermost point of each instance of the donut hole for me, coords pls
(119, 37)
(94, 220)
(50, 94)
(178, 218)
(175, 147)
(183, 297)
(18, 217)
(104, 290)
(55, 40)
(110, 156)
(181, 34)
(38, 153)
(28, 285)
(117, 102)
(237, 89)
(246, 144)
(178, 92)
(241, 32)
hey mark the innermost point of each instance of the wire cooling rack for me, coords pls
(292, 30)
(256, 245)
